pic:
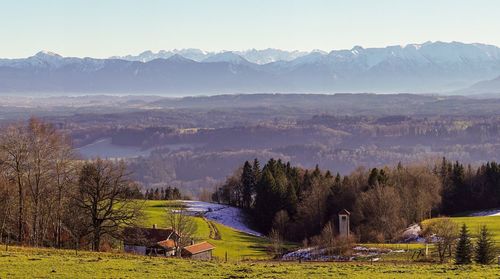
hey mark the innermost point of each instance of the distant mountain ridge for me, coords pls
(432, 67)
(485, 87)
(255, 56)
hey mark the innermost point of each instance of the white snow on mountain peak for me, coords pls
(227, 56)
(45, 53)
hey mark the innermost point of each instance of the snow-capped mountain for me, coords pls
(227, 56)
(430, 67)
(253, 55)
(146, 56)
(270, 55)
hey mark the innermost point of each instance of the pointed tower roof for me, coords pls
(344, 212)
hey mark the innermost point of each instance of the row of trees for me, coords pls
(50, 198)
(483, 251)
(168, 193)
(382, 202)
(467, 188)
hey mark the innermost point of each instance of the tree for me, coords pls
(46, 174)
(267, 200)
(280, 222)
(6, 206)
(463, 252)
(102, 197)
(14, 149)
(156, 195)
(328, 238)
(446, 233)
(380, 212)
(176, 194)
(248, 184)
(276, 242)
(168, 193)
(65, 172)
(183, 225)
(485, 247)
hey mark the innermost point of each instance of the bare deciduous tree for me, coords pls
(446, 232)
(276, 242)
(14, 148)
(183, 225)
(102, 198)
(6, 206)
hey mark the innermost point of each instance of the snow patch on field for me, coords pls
(493, 212)
(223, 214)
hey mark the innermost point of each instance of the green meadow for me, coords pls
(237, 245)
(476, 222)
(247, 258)
(21, 262)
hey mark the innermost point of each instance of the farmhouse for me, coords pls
(198, 251)
(150, 241)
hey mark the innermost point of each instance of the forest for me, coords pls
(299, 203)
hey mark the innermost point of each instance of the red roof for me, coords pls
(198, 248)
(146, 236)
(168, 243)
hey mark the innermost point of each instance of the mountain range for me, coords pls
(432, 67)
(260, 57)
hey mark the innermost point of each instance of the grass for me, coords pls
(237, 245)
(21, 262)
(475, 223)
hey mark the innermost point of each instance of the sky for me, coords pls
(103, 28)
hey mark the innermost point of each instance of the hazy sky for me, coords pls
(101, 28)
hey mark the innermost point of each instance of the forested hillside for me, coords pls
(300, 203)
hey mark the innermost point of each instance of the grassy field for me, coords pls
(475, 223)
(238, 245)
(49, 263)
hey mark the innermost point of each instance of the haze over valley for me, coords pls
(194, 143)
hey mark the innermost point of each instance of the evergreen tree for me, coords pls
(248, 183)
(256, 170)
(463, 252)
(266, 199)
(485, 247)
(168, 193)
(176, 194)
(317, 172)
(291, 200)
(373, 178)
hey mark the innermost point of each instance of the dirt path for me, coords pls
(214, 232)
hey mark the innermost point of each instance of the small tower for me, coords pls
(344, 223)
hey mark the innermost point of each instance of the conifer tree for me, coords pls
(463, 252)
(248, 183)
(176, 194)
(485, 247)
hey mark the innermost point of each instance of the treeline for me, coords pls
(50, 198)
(298, 203)
(168, 193)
